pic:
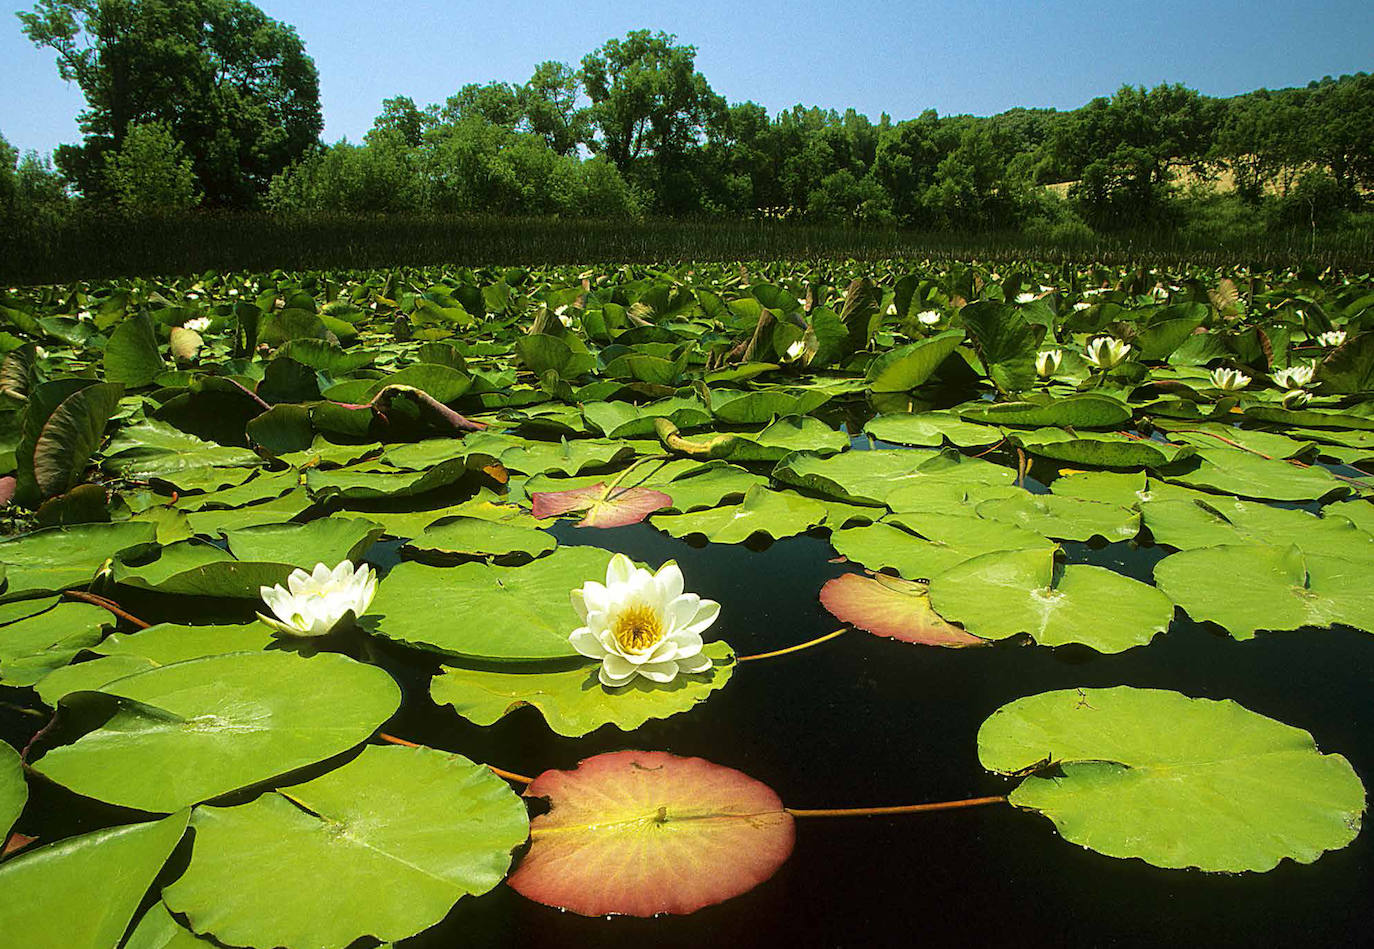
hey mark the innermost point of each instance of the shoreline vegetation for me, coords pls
(97, 246)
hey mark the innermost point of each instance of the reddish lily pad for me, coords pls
(640, 833)
(890, 606)
(605, 505)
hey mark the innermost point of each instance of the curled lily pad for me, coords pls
(83, 891)
(640, 833)
(424, 827)
(569, 696)
(1004, 593)
(1175, 781)
(39, 641)
(888, 606)
(62, 557)
(191, 731)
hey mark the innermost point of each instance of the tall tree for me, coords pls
(235, 87)
(549, 103)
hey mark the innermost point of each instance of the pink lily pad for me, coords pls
(892, 607)
(605, 506)
(640, 833)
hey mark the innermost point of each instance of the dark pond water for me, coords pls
(865, 721)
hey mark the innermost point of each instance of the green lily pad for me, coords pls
(157, 449)
(1248, 475)
(157, 929)
(59, 558)
(931, 429)
(424, 827)
(192, 731)
(876, 477)
(1175, 781)
(1004, 593)
(1249, 587)
(14, 791)
(1107, 449)
(33, 646)
(571, 699)
(1122, 489)
(1063, 518)
(509, 613)
(775, 513)
(83, 891)
(483, 538)
(1215, 520)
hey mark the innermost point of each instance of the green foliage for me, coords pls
(149, 172)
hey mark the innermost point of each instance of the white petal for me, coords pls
(579, 603)
(619, 570)
(617, 668)
(594, 596)
(680, 613)
(659, 671)
(586, 643)
(707, 612)
(669, 581)
(610, 681)
(694, 664)
(297, 580)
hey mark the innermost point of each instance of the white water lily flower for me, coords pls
(198, 325)
(795, 351)
(233, 292)
(892, 309)
(563, 317)
(641, 624)
(1296, 398)
(1025, 297)
(1294, 377)
(1104, 352)
(928, 317)
(1229, 380)
(40, 353)
(193, 296)
(1082, 305)
(84, 315)
(1047, 362)
(1332, 338)
(312, 604)
(1159, 293)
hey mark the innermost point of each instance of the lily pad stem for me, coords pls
(797, 648)
(901, 809)
(105, 604)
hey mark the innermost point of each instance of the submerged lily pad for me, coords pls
(422, 827)
(1175, 781)
(1004, 593)
(83, 891)
(639, 833)
(191, 731)
(571, 699)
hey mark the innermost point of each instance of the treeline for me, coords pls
(210, 103)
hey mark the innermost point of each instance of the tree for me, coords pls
(32, 193)
(649, 104)
(549, 104)
(400, 118)
(150, 173)
(234, 86)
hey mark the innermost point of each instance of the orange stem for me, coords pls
(105, 604)
(901, 809)
(499, 772)
(797, 648)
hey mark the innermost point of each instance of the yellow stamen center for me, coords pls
(637, 628)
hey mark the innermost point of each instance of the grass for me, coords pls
(89, 247)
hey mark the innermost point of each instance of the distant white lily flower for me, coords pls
(801, 302)
(1159, 293)
(1294, 377)
(1045, 289)
(1332, 338)
(1026, 297)
(233, 291)
(1082, 305)
(794, 351)
(40, 353)
(313, 604)
(1047, 362)
(928, 317)
(199, 325)
(891, 309)
(1229, 380)
(1296, 398)
(84, 315)
(1105, 352)
(193, 296)
(563, 317)
(641, 624)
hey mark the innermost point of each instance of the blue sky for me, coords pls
(875, 55)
